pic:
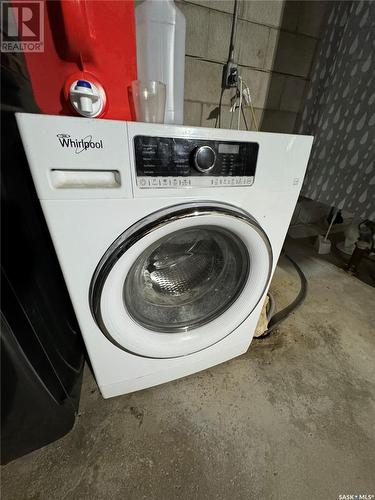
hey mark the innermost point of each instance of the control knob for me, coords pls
(204, 158)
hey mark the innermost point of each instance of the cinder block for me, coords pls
(294, 54)
(249, 119)
(273, 41)
(252, 40)
(311, 17)
(275, 91)
(259, 116)
(228, 119)
(278, 121)
(264, 11)
(223, 5)
(226, 6)
(258, 82)
(197, 19)
(291, 14)
(192, 113)
(292, 94)
(209, 116)
(202, 80)
(219, 29)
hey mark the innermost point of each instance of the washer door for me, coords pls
(181, 279)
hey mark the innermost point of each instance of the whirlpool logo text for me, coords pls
(79, 145)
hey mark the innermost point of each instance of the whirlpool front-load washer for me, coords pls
(167, 237)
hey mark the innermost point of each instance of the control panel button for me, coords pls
(204, 158)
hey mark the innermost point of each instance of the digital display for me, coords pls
(230, 149)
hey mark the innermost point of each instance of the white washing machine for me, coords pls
(167, 237)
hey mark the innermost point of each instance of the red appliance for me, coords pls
(85, 40)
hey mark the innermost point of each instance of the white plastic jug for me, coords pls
(161, 29)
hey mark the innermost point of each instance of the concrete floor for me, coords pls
(293, 418)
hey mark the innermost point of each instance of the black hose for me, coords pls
(280, 316)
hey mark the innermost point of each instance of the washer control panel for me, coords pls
(165, 162)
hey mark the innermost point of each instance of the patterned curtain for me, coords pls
(340, 112)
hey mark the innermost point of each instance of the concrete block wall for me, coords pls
(276, 42)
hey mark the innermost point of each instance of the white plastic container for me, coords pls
(161, 29)
(322, 245)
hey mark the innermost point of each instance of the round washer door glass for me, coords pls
(186, 279)
(181, 279)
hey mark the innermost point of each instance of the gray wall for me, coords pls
(276, 42)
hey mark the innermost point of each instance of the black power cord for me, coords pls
(218, 116)
(244, 118)
(233, 32)
(280, 316)
(230, 71)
